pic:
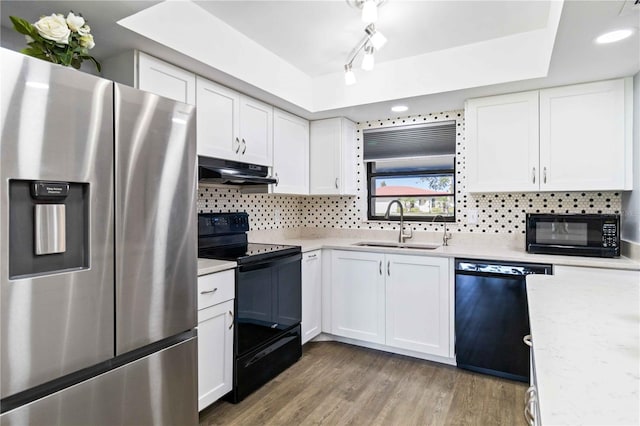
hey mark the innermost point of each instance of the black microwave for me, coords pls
(596, 235)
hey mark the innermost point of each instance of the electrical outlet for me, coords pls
(472, 216)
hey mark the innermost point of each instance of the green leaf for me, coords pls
(36, 53)
(92, 59)
(22, 26)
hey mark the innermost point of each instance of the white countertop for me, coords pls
(462, 249)
(586, 348)
(210, 266)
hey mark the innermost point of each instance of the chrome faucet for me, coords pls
(446, 236)
(402, 236)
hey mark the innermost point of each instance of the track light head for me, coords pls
(375, 36)
(349, 75)
(369, 11)
(367, 59)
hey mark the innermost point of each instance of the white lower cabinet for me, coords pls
(417, 299)
(215, 336)
(357, 295)
(311, 295)
(401, 301)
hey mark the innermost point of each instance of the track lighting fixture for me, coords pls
(373, 40)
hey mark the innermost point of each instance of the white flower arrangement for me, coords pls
(57, 39)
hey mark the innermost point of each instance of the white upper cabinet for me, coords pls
(572, 138)
(233, 126)
(583, 137)
(502, 143)
(166, 80)
(218, 109)
(332, 157)
(256, 131)
(290, 153)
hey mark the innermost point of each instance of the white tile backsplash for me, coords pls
(497, 213)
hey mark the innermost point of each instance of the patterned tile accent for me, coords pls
(266, 211)
(497, 213)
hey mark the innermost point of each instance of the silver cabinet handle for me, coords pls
(527, 340)
(244, 144)
(312, 256)
(337, 183)
(381, 267)
(533, 175)
(209, 291)
(277, 179)
(238, 146)
(544, 175)
(231, 325)
(388, 267)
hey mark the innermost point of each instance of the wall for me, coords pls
(631, 200)
(497, 213)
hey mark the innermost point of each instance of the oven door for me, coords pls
(268, 301)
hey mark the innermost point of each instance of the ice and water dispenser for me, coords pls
(48, 227)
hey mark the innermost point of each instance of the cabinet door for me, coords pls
(215, 352)
(290, 154)
(166, 80)
(256, 132)
(502, 143)
(324, 156)
(357, 295)
(582, 137)
(417, 300)
(311, 295)
(348, 174)
(217, 120)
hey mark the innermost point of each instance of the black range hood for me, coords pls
(216, 170)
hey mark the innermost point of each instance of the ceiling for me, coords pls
(316, 36)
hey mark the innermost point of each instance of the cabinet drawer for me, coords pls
(216, 288)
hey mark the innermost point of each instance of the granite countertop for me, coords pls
(210, 266)
(586, 348)
(488, 251)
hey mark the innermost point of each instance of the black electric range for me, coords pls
(268, 299)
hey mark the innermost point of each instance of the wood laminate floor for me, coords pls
(339, 384)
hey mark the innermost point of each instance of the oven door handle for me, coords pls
(270, 263)
(276, 345)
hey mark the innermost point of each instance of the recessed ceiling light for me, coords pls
(613, 36)
(399, 108)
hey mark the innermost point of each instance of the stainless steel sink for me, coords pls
(387, 244)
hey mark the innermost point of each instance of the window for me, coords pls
(415, 165)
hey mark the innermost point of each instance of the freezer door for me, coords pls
(160, 389)
(56, 252)
(156, 241)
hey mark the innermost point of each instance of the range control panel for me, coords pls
(222, 223)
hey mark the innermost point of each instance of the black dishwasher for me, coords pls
(492, 316)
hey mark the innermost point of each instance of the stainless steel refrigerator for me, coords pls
(97, 251)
